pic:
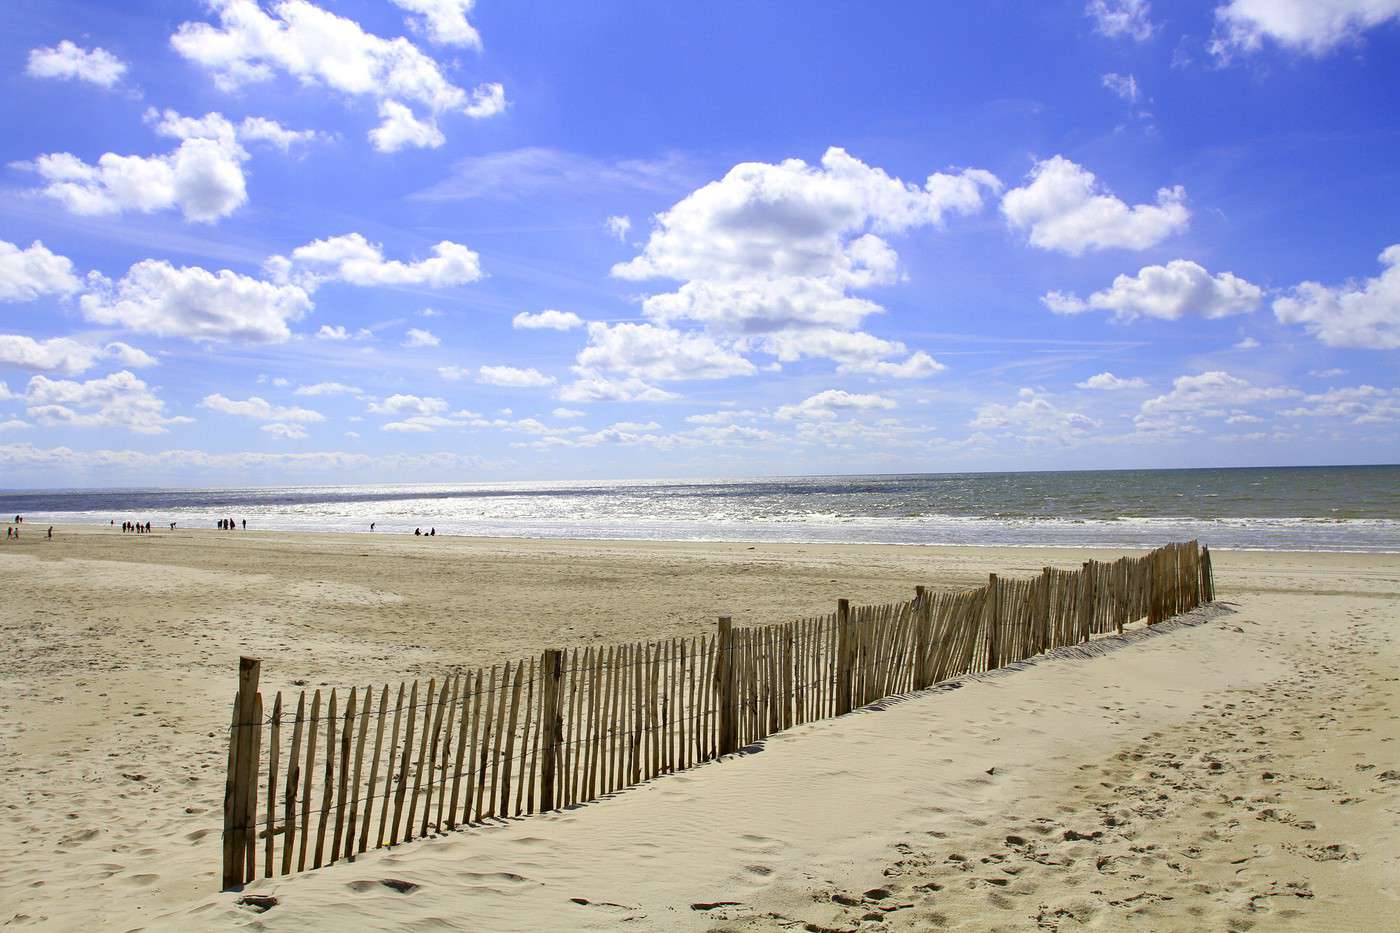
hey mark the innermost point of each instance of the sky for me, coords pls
(350, 241)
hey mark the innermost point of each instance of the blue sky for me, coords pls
(445, 240)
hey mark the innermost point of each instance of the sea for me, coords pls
(1353, 508)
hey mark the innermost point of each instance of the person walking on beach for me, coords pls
(371, 526)
(50, 532)
(417, 532)
(245, 524)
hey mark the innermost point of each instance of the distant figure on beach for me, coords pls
(7, 532)
(417, 532)
(172, 526)
(371, 526)
(433, 533)
(50, 532)
(148, 527)
(245, 524)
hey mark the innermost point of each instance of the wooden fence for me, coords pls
(317, 784)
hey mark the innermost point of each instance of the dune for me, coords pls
(1236, 767)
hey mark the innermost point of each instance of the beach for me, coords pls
(1240, 770)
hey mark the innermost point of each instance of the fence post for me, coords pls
(923, 625)
(993, 622)
(242, 774)
(1086, 607)
(844, 652)
(725, 688)
(551, 724)
(1207, 577)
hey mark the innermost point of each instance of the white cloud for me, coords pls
(1313, 27)
(659, 353)
(128, 355)
(353, 259)
(259, 409)
(1064, 208)
(326, 388)
(1110, 383)
(1213, 394)
(1248, 343)
(158, 298)
(454, 373)
(117, 401)
(775, 247)
(1365, 314)
(1127, 18)
(400, 129)
(291, 432)
(203, 177)
(1167, 292)
(546, 320)
(1033, 418)
(618, 226)
(445, 21)
(1363, 404)
(409, 405)
(416, 337)
(317, 47)
(512, 377)
(65, 355)
(594, 387)
(721, 417)
(328, 332)
(567, 413)
(1125, 86)
(1332, 373)
(828, 404)
(261, 129)
(14, 424)
(918, 365)
(429, 312)
(541, 172)
(486, 100)
(73, 63)
(27, 274)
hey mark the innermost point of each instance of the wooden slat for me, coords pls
(401, 783)
(346, 740)
(428, 717)
(274, 750)
(389, 773)
(464, 722)
(327, 783)
(307, 775)
(429, 763)
(374, 768)
(358, 773)
(289, 804)
(508, 762)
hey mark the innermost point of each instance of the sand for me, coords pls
(1237, 769)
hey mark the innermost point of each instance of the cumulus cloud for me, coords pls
(546, 320)
(353, 259)
(512, 377)
(71, 62)
(258, 409)
(1064, 208)
(319, 48)
(454, 373)
(567, 413)
(772, 250)
(1364, 404)
(831, 403)
(618, 226)
(120, 400)
(416, 337)
(918, 365)
(158, 298)
(1110, 383)
(27, 274)
(202, 177)
(1248, 343)
(1354, 314)
(1312, 27)
(1033, 419)
(1167, 292)
(444, 21)
(326, 388)
(649, 352)
(595, 387)
(405, 404)
(290, 432)
(1213, 394)
(1130, 19)
(65, 355)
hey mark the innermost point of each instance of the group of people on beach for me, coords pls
(430, 533)
(12, 531)
(136, 527)
(228, 524)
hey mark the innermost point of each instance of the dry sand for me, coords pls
(1232, 772)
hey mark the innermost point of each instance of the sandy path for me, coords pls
(122, 654)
